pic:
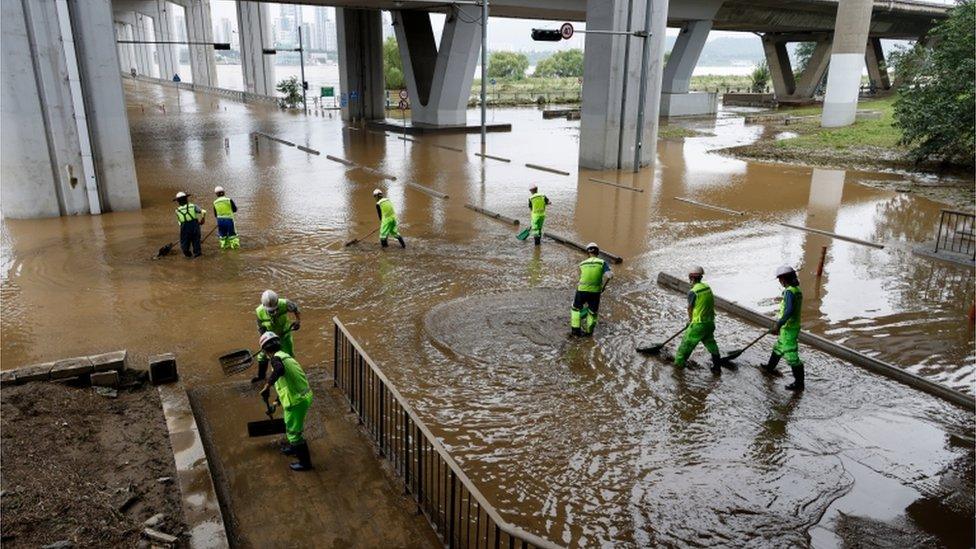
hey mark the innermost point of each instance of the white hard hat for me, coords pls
(592, 246)
(266, 337)
(270, 300)
(534, 188)
(377, 192)
(784, 270)
(180, 195)
(218, 189)
(697, 270)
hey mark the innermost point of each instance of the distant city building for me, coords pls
(286, 29)
(325, 30)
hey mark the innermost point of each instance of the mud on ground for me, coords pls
(82, 467)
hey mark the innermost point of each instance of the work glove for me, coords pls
(295, 326)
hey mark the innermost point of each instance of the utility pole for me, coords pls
(484, 69)
(301, 62)
(645, 57)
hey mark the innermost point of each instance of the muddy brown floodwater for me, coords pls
(580, 441)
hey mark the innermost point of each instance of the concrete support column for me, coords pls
(608, 124)
(254, 25)
(67, 148)
(684, 56)
(163, 27)
(780, 70)
(877, 68)
(846, 62)
(360, 37)
(816, 67)
(126, 52)
(438, 80)
(199, 28)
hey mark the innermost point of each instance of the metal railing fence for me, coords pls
(956, 233)
(455, 508)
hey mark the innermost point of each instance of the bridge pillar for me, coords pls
(127, 52)
(608, 123)
(199, 28)
(813, 74)
(675, 98)
(877, 68)
(254, 24)
(438, 79)
(163, 27)
(846, 62)
(361, 81)
(67, 148)
(778, 60)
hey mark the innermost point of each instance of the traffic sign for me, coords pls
(403, 94)
(403, 104)
(353, 95)
(493, 81)
(566, 30)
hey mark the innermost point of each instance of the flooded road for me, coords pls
(584, 442)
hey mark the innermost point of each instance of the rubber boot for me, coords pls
(770, 367)
(402, 243)
(797, 384)
(537, 239)
(304, 462)
(383, 242)
(262, 371)
(288, 449)
(717, 364)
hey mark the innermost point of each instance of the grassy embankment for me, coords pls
(869, 143)
(529, 90)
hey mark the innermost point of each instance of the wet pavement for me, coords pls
(584, 442)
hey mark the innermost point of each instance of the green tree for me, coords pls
(803, 53)
(392, 66)
(292, 90)
(759, 78)
(936, 105)
(506, 64)
(562, 63)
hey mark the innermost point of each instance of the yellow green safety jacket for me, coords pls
(591, 275)
(292, 387)
(279, 324)
(188, 213)
(792, 324)
(222, 208)
(386, 209)
(538, 202)
(704, 308)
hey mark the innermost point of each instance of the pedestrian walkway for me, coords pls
(347, 500)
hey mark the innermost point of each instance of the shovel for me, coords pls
(735, 354)
(237, 361)
(266, 427)
(165, 250)
(655, 349)
(524, 234)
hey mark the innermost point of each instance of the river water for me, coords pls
(584, 442)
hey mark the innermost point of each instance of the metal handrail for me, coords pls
(956, 232)
(366, 392)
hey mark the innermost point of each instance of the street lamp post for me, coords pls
(301, 63)
(484, 69)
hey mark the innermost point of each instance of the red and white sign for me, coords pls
(566, 30)
(403, 94)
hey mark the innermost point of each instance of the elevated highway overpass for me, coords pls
(67, 148)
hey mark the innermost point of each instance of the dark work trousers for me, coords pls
(190, 236)
(590, 299)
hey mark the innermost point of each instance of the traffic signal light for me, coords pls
(546, 35)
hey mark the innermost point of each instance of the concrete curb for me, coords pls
(65, 369)
(201, 509)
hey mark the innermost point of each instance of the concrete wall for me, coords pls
(42, 163)
(846, 62)
(361, 81)
(254, 26)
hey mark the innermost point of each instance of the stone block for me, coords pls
(162, 369)
(105, 379)
(109, 361)
(71, 367)
(37, 372)
(7, 378)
